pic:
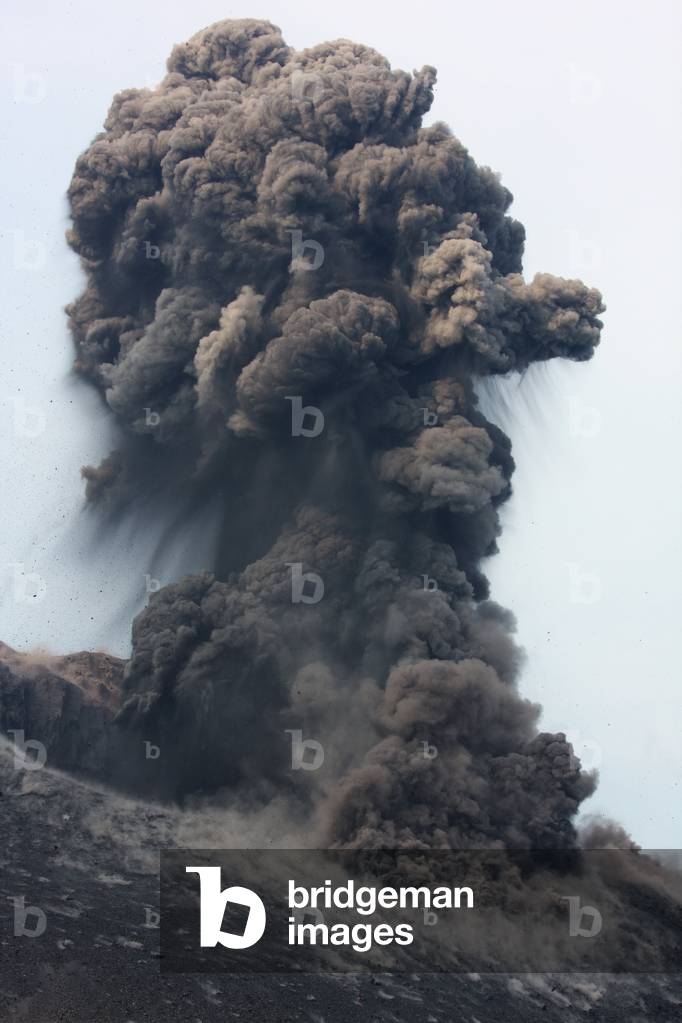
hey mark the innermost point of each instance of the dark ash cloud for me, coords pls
(269, 227)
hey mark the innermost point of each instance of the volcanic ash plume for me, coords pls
(292, 286)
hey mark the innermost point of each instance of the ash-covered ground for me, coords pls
(88, 858)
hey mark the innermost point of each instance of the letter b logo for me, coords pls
(22, 914)
(212, 908)
(299, 747)
(22, 746)
(298, 246)
(579, 913)
(299, 579)
(299, 411)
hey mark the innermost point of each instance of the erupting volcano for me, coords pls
(292, 289)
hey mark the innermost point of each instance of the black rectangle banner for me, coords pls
(485, 911)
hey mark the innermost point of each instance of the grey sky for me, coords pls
(578, 106)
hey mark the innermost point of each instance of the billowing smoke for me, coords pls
(292, 287)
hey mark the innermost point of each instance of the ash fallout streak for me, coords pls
(201, 321)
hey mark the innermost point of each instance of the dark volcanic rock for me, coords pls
(66, 703)
(88, 859)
